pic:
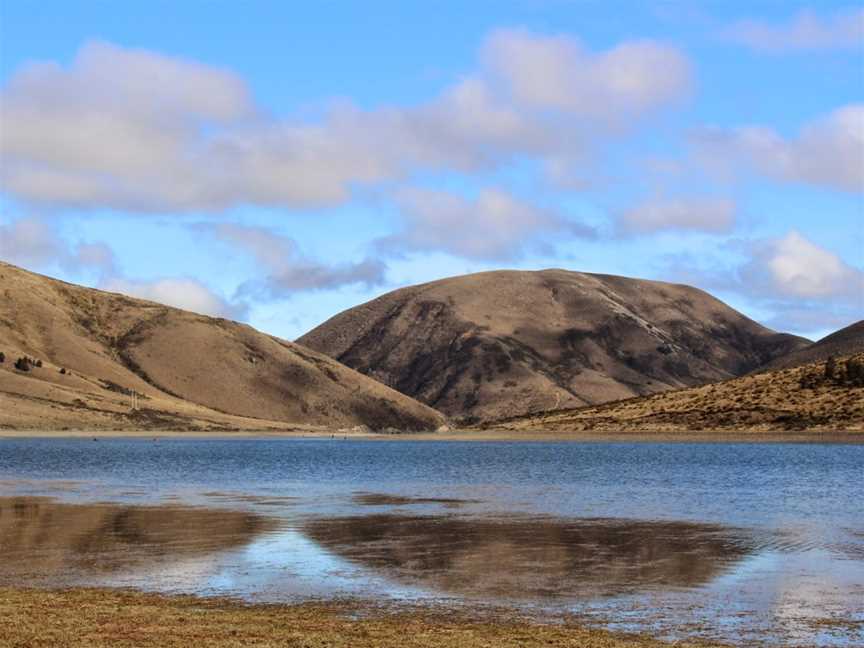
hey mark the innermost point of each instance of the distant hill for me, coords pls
(192, 371)
(799, 398)
(505, 343)
(846, 341)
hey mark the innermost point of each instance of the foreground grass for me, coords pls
(95, 617)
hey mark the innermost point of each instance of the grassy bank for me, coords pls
(96, 617)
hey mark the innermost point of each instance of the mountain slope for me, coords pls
(183, 364)
(504, 343)
(799, 398)
(846, 341)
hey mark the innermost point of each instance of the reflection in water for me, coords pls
(383, 499)
(533, 557)
(43, 539)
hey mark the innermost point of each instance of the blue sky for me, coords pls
(279, 162)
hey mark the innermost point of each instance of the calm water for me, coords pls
(740, 542)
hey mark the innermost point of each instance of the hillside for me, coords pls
(505, 343)
(799, 398)
(847, 341)
(191, 371)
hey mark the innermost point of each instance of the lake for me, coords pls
(744, 543)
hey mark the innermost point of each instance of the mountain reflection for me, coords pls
(41, 538)
(533, 557)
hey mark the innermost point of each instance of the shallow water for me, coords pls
(739, 542)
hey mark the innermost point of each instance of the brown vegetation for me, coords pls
(193, 372)
(494, 344)
(821, 396)
(100, 618)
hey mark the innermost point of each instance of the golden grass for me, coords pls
(758, 403)
(98, 617)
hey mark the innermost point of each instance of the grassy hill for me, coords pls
(190, 371)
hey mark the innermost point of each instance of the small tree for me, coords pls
(855, 372)
(22, 364)
(830, 368)
(2, 357)
(37, 363)
(63, 370)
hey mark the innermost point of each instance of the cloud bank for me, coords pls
(286, 269)
(140, 131)
(714, 215)
(828, 152)
(807, 30)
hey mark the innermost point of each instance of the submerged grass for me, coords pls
(100, 617)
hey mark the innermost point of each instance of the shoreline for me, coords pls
(90, 617)
(490, 435)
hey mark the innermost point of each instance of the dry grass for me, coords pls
(91, 618)
(765, 402)
(191, 372)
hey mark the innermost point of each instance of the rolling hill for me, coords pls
(506, 343)
(191, 371)
(846, 341)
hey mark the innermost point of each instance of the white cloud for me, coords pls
(187, 294)
(287, 270)
(828, 152)
(558, 73)
(797, 285)
(137, 130)
(798, 267)
(805, 31)
(494, 225)
(33, 243)
(703, 214)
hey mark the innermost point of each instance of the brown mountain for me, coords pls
(505, 343)
(846, 341)
(191, 370)
(799, 398)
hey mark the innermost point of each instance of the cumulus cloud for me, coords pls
(828, 152)
(185, 293)
(137, 130)
(33, 243)
(794, 266)
(715, 215)
(287, 269)
(558, 73)
(801, 286)
(805, 31)
(494, 225)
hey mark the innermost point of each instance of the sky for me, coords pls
(277, 163)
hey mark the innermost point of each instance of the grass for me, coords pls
(100, 617)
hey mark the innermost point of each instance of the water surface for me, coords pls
(739, 542)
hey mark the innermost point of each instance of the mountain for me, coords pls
(496, 344)
(846, 341)
(190, 370)
(800, 398)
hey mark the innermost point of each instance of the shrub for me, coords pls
(22, 364)
(63, 370)
(2, 357)
(855, 372)
(830, 368)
